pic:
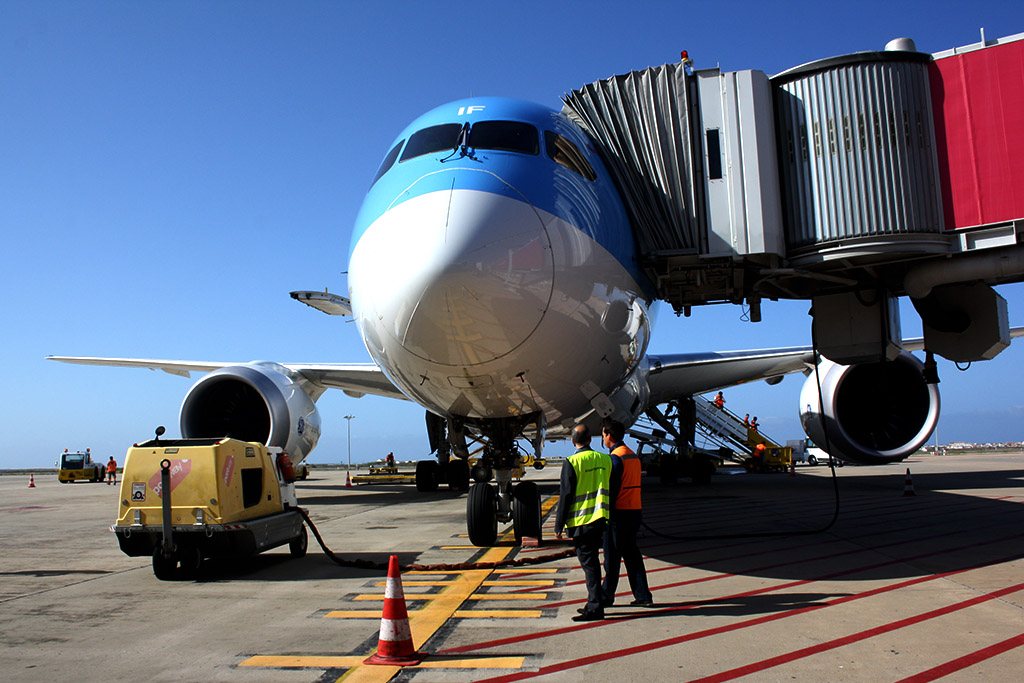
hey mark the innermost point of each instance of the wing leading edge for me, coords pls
(673, 376)
(355, 379)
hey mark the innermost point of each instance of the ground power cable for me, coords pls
(831, 463)
(461, 566)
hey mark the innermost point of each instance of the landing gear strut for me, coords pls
(489, 503)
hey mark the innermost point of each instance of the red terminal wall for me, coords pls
(978, 99)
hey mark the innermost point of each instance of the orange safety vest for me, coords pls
(111, 466)
(629, 492)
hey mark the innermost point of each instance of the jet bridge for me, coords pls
(848, 181)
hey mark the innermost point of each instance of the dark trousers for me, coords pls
(620, 545)
(587, 540)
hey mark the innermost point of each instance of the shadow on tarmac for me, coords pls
(276, 566)
(732, 607)
(880, 533)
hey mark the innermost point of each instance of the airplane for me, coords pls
(493, 277)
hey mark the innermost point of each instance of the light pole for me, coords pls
(348, 475)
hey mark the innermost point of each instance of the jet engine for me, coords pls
(870, 413)
(261, 401)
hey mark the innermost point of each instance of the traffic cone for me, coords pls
(348, 481)
(31, 481)
(394, 645)
(908, 487)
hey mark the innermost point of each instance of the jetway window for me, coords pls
(433, 139)
(563, 152)
(388, 162)
(505, 136)
(714, 154)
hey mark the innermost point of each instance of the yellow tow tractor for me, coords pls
(78, 465)
(184, 500)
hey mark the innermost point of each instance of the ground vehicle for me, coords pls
(79, 465)
(184, 500)
(805, 450)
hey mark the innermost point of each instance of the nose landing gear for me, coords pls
(488, 504)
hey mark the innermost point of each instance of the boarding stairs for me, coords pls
(719, 427)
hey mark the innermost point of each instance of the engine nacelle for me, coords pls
(874, 413)
(261, 401)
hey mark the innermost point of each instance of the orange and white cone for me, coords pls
(31, 481)
(348, 481)
(394, 645)
(908, 487)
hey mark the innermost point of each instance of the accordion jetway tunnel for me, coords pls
(848, 181)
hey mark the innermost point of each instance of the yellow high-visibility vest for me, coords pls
(592, 500)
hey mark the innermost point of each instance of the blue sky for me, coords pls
(171, 170)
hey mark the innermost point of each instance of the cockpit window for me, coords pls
(432, 139)
(388, 162)
(564, 152)
(505, 136)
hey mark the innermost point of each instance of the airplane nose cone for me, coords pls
(460, 276)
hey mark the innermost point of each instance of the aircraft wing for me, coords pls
(355, 379)
(672, 376)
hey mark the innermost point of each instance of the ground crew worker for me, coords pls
(111, 471)
(746, 420)
(759, 457)
(583, 508)
(719, 400)
(389, 460)
(753, 423)
(620, 538)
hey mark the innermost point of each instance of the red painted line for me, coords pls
(691, 552)
(818, 558)
(769, 589)
(647, 647)
(773, 662)
(967, 660)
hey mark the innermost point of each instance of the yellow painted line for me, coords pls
(304, 661)
(524, 582)
(476, 596)
(507, 572)
(451, 582)
(423, 623)
(509, 596)
(408, 596)
(340, 662)
(498, 613)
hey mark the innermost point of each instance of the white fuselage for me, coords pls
(481, 305)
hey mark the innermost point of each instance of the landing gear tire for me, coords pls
(667, 468)
(526, 511)
(458, 475)
(426, 476)
(482, 515)
(702, 471)
(164, 568)
(297, 546)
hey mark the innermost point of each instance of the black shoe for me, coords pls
(642, 603)
(589, 616)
